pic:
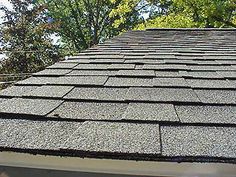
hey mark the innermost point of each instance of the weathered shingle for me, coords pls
(53, 72)
(217, 96)
(126, 82)
(63, 65)
(37, 81)
(29, 106)
(209, 83)
(136, 73)
(162, 95)
(17, 90)
(90, 111)
(27, 134)
(50, 91)
(170, 82)
(92, 73)
(151, 112)
(116, 137)
(207, 114)
(97, 93)
(198, 141)
(80, 80)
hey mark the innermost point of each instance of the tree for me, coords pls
(83, 23)
(184, 13)
(25, 36)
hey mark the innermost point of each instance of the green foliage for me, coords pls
(25, 34)
(84, 23)
(168, 21)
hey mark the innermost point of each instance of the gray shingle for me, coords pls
(116, 137)
(198, 141)
(209, 83)
(166, 67)
(17, 90)
(121, 66)
(97, 93)
(167, 74)
(227, 74)
(150, 111)
(201, 74)
(92, 73)
(3, 99)
(90, 111)
(145, 61)
(63, 65)
(217, 96)
(142, 73)
(37, 81)
(211, 68)
(53, 72)
(126, 81)
(107, 61)
(92, 66)
(50, 91)
(207, 114)
(27, 134)
(80, 80)
(162, 95)
(170, 82)
(29, 106)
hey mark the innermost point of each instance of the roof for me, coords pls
(156, 95)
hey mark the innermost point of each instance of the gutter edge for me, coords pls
(124, 167)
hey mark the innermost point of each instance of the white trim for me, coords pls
(125, 167)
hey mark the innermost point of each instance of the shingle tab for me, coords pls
(80, 80)
(121, 66)
(92, 66)
(90, 111)
(63, 65)
(27, 134)
(151, 112)
(162, 95)
(116, 137)
(92, 73)
(29, 106)
(137, 73)
(170, 82)
(217, 96)
(53, 72)
(98, 93)
(17, 90)
(37, 81)
(198, 141)
(227, 74)
(167, 74)
(166, 67)
(200, 74)
(126, 82)
(50, 91)
(207, 114)
(209, 83)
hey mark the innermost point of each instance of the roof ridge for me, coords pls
(191, 29)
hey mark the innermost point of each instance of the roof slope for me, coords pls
(165, 95)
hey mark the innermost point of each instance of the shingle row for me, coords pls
(120, 138)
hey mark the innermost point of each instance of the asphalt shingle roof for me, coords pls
(145, 95)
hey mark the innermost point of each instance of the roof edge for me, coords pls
(124, 167)
(191, 29)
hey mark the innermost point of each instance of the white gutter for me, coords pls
(125, 167)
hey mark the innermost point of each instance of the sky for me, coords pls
(4, 3)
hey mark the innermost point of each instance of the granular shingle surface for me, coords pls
(50, 91)
(29, 106)
(101, 93)
(117, 137)
(127, 82)
(198, 141)
(17, 90)
(207, 114)
(90, 111)
(151, 111)
(159, 95)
